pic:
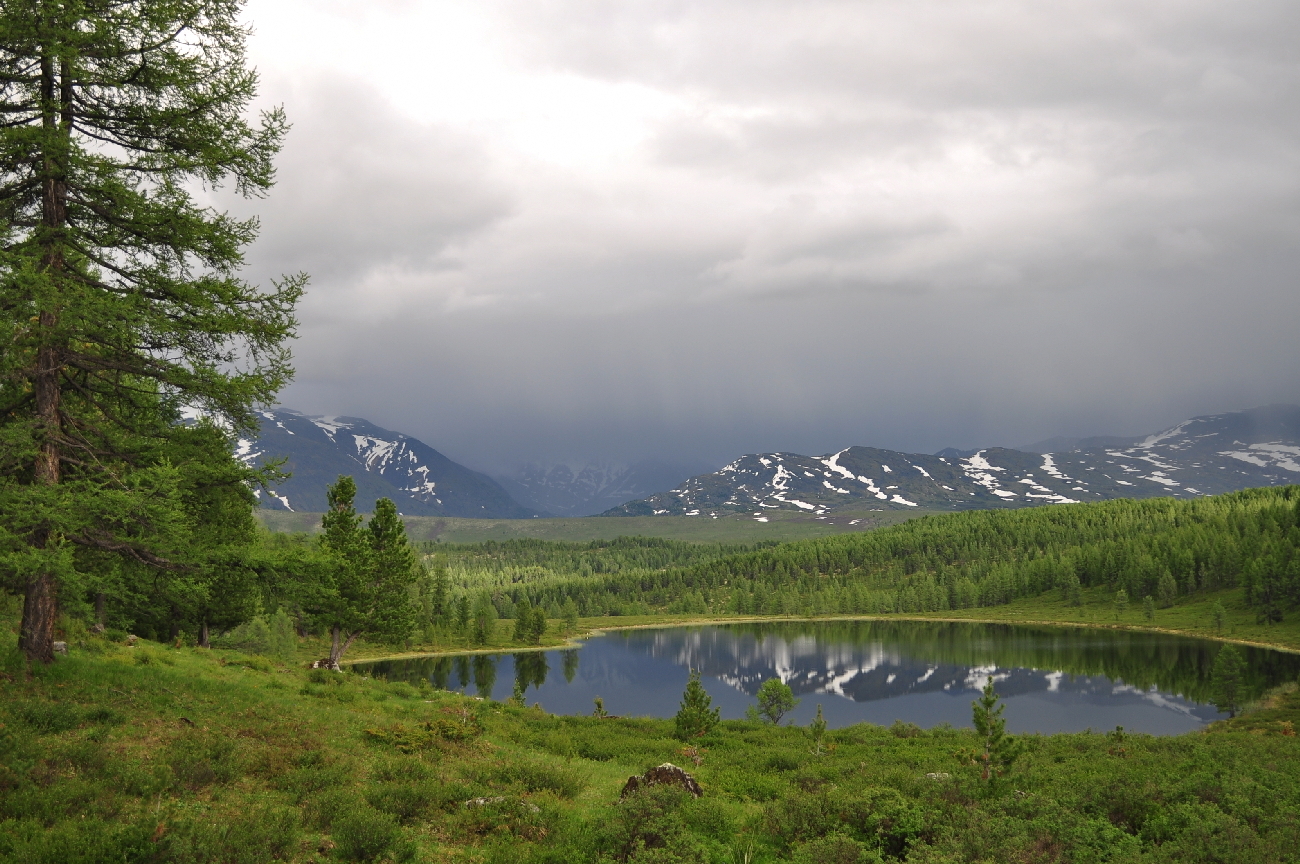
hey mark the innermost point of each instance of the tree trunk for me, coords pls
(40, 610)
(100, 623)
(337, 650)
(204, 642)
(41, 604)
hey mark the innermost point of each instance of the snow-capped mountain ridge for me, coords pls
(419, 479)
(1201, 456)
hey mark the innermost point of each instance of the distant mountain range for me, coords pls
(1201, 456)
(564, 490)
(385, 464)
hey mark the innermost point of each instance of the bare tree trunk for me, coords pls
(40, 611)
(41, 603)
(100, 623)
(204, 641)
(336, 650)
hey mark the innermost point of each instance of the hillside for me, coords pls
(1201, 456)
(385, 464)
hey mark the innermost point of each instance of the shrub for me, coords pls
(253, 837)
(775, 700)
(46, 718)
(906, 730)
(202, 759)
(834, 849)
(364, 834)
(536, 776)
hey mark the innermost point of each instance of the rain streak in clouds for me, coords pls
(590, 230)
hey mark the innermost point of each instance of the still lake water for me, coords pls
(1052, 679)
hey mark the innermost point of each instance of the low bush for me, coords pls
(364, 834)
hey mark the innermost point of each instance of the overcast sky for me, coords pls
(573, 230)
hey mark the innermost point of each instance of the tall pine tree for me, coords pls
(120, 300)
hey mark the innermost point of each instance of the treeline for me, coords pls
(1161, 548)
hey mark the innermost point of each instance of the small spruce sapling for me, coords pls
(1121, 603)
(1149, 608)
(997, 750)
(696, 718)
(817, 731)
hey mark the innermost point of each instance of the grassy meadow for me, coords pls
(153, 753)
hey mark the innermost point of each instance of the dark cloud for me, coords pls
(692, 230)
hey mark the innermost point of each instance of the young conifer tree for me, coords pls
(120, 300)
(696, 718)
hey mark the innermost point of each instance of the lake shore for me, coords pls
(1191, 617)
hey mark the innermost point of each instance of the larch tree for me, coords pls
(120, 296)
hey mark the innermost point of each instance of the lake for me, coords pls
(1053, 679)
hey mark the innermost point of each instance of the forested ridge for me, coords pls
(1162, 548)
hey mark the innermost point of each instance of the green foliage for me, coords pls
(1248, 540)
(524, 622)
(997, 750)
(817, 731)
(364, 834)
(775, 700)
(122, 303)
(1167, 590)
(365, 580)
(1227, 678)
(695, 718)
(485, 620)
(1148, 608)
(1220, 616)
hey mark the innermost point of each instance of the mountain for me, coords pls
(385, 464)
(1201, 456)
(591, 489)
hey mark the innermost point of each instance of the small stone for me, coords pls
(60, 647)
(325, 663)
(937, 775)
(131, 639)
(666, 774)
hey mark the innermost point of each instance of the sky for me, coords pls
(569, 230)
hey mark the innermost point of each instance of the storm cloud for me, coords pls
(580, 230)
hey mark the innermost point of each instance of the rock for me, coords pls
(60, 647)
(131, 639)
(666, 774)
(937, 775)
(325, 663)
(483, 802)
(501, 799)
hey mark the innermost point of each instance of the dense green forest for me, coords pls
(1158, 548)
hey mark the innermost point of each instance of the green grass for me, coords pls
(725, 529)
(1193, 616)
(157, 754)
